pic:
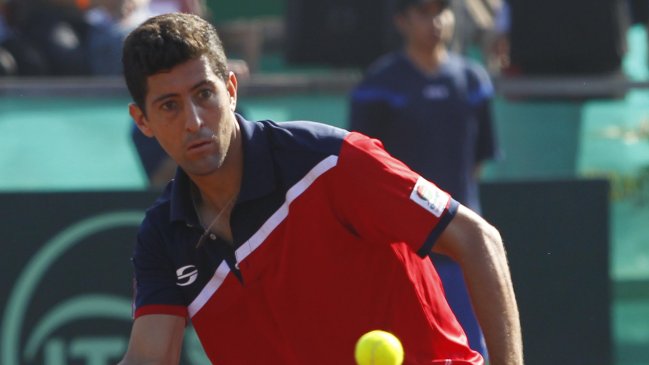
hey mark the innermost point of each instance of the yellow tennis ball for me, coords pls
(378, 348)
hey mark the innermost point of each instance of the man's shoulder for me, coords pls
(291, 149)
(303, 135)
(473, 69)
(385, 67)
(470, 75)
(384, 80)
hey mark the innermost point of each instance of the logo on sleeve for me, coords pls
(186, 275)
(429, 197)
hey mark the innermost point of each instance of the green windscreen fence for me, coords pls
(72, 143)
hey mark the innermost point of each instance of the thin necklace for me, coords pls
(208, 231)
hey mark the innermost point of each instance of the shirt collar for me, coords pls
(257, 181)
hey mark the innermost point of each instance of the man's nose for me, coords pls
(193, 121)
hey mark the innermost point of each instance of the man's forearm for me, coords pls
(492, 294)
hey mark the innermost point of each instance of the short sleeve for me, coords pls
(384, 201)
(156, 291)
(480, 86)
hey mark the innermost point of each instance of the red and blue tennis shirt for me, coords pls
(331, 236)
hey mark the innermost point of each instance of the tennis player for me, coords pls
(283, 243)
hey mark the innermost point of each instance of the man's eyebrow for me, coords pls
(162, 97)
(202, 83)
(194, 87)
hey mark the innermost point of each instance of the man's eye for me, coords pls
(169, 105)
(205, 94)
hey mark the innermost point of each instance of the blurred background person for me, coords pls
(111, 20)
(431, 109)
(481, 31)
(7, 61)
(46, 37)
(75, 37)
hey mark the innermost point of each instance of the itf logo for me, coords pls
(66, 295)
(59, 299)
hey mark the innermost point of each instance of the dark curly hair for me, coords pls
(165, 41)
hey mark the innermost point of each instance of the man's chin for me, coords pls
(203, 168)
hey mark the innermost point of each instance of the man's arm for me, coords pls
(477, 247)
(156, 339)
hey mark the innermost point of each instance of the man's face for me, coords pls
(190, 111)
(426, 25)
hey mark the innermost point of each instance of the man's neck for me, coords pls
(219, 189)
(425, 59)
(216, 194)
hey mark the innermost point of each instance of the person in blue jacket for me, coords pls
(431, 109)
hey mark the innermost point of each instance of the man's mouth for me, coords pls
(199, 144)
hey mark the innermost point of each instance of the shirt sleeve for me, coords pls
(383, 201)
(156, 291)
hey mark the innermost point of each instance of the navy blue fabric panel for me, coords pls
(154, 268)
(298, 146)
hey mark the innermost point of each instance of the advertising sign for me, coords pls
(66, 283)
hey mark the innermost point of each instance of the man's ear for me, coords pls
(231, 86)
(448, 25)
(140, 119)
